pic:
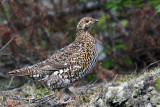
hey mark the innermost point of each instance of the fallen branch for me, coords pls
(7, 43)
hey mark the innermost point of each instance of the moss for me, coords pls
(126, 78)
(68, 24)
(157, 84)
(30, 90)
(6, 83)
(124, 23)
(91, 77)
(82, 99)
(27, 95)
(44, 91)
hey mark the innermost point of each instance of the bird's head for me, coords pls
(86, 23)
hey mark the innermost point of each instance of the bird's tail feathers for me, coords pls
(21, 72)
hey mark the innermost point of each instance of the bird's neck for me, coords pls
(83, 36)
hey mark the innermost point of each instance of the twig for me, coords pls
(118, 23)
(7, 43)
(136, 68)
(151, 65)
(39, 100)
(10, 82)
(5, 54)
(114, 78)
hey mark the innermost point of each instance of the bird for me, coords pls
(67, 64)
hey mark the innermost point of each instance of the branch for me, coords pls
(7, 44)
(124, 31)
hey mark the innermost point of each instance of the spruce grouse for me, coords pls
(67, 64)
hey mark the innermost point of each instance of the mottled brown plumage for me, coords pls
(67, 64)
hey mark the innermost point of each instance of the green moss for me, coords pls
(124, 23)
(128, 61)
(101, 25)
(30, 90)
(108, 63)
(157, 84)
(43, 90)
(6, 83)
(6, 14)
(127, 77)
(27, 95)
(68, 24)
(91, 77)
(82, 99)
(44, 44)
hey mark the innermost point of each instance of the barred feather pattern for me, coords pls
(67, 64)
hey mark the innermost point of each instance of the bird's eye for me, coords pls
(87, 21)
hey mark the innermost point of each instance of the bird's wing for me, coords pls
(59, 60)
(73, 61)
(62, 58)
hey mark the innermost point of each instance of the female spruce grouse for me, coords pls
(67, 64)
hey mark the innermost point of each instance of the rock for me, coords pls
(149, 105)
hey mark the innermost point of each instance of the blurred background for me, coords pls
(128, 34)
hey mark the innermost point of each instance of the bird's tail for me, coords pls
(21, 72)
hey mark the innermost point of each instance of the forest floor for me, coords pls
(130, 90)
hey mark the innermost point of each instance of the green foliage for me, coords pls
(102, 20)
(79, 0)
(24, 39)
(109, 63)
(27, 95)
(5, 83)
(157, 84)
(124, 22)
(118, 4)
(91, 77)
(68, 24)
(7, 9)
(44, 44)
(119, 46)
(155, 3)
(125, 78)
(128, 61)
(42, 90)
(33, 91)
(81, 99)
(4, 16)
(121, 4)
(158, 8)
(101, 25)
